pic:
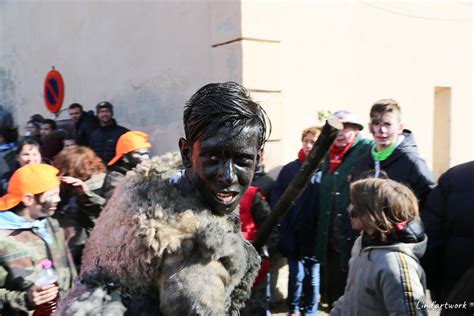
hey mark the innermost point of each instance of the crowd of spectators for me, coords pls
(316, 236)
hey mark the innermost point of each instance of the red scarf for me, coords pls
(301, 155)
(336, 154)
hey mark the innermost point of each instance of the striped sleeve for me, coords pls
(401, 286)
(406, 286)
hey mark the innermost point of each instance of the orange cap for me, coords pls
(32, 179)
(128, 142)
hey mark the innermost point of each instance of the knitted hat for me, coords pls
(104, 105)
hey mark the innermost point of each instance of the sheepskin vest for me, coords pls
(165, 247)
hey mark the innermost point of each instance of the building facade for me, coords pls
(295, 57)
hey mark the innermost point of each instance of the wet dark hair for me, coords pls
(76, 106)
(51, 123)
(223, 104)
(26, 142)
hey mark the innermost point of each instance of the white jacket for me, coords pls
(385, 280)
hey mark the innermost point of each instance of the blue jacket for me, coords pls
(104, 139)
(298, 226)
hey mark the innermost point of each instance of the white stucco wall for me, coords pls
(297, 57)
(146, 57)
(346, 55)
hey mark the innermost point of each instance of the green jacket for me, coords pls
(334, 194)
(21, 252)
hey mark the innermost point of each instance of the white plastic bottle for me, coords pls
(47, 276)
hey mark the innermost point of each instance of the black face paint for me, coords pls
(222, 166)
(133, 158)
(46, 208)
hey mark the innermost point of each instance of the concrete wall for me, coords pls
(146, 57)
(296, 58)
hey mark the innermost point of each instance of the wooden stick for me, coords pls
(299, 182)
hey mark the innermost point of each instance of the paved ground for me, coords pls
(323, 310)
(281, 310)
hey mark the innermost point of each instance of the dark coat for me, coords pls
(104, 138)
(84, 128)
(448, 215)
(6, 118)
(333, 202)
(7, 158)
(404, 165)
(52, 144)
(296, 229)
(263, 181)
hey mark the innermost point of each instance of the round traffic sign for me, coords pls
(53, 91)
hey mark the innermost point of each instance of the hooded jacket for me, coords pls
(163, 251)
(404, 165)
(385, 278)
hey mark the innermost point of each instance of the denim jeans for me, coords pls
(303, 285)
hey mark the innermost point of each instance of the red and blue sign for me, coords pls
(53, 91)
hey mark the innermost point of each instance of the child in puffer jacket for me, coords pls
(385, 276)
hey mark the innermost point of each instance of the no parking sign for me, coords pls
(53, 91)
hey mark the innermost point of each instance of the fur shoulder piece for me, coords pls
(163, 167)
(167, 246)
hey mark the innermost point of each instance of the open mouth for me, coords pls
(382, 139)
(226, 198)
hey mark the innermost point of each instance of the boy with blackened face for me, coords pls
(225, 131)
(172, 244)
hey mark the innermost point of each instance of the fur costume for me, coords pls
(165, 253)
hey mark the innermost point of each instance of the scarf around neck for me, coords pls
(384, 154)
(336, 154)
(379, 156)
(301, 155)
(9, 220)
